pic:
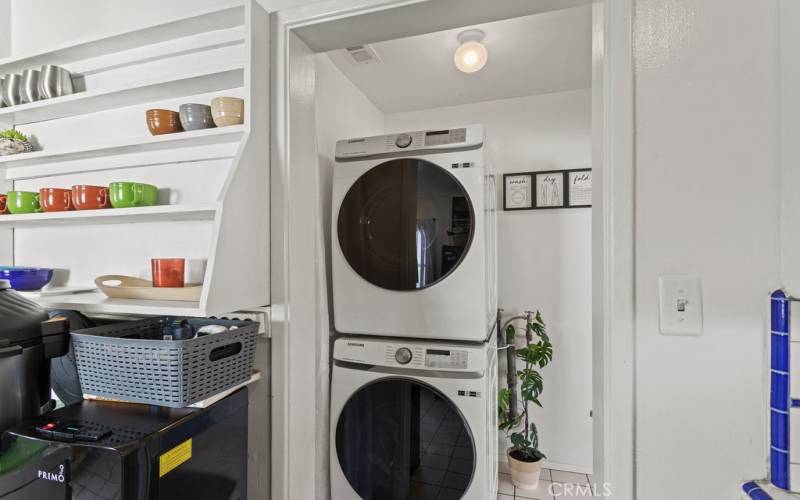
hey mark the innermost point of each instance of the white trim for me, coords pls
(613, 248)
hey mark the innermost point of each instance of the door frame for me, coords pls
(295, 222)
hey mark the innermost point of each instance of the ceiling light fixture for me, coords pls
(471, 55)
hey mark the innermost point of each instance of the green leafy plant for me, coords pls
(537, 353)
(13, 135)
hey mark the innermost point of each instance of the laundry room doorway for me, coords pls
(563, 104)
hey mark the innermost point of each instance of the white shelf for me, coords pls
(91, 101)
(215, 18)
(215, 50)
(129, 145)
(99, 303)
(162, 213)
(194, 145)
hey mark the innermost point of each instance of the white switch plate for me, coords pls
(680, 305)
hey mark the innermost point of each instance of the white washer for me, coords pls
(414, 236)
(413, 420)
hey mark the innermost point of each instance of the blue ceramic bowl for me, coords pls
(26, 278)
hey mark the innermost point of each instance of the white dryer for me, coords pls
(413, 420)
(414, 236)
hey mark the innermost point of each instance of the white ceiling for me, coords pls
(537, 54)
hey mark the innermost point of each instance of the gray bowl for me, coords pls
(10, 90)
(29, 88)
(196, 116)
(54, 81)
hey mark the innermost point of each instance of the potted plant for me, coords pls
(13, 142)
(524, 456)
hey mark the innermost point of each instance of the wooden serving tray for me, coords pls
(136, 288)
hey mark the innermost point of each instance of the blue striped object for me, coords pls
(755, 492)
(779, 392)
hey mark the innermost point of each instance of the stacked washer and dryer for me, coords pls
(414, 384)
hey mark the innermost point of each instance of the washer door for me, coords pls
(405, 224)
(398, 439)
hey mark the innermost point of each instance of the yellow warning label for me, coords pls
(174, 457)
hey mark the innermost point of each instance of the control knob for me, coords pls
(403, 141)
(403, 355)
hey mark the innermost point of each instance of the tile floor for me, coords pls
(553, 485)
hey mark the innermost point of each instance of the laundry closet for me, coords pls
(417, 132)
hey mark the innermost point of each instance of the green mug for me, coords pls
(132, 194)
(23, 202)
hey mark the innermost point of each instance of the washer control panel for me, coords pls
(439, 356)
(422, 140)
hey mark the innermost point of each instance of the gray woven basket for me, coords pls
(121, 361)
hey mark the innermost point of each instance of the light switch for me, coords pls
(680, 305)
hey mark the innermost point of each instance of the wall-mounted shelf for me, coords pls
(220, 175)
(195, 145)
(163, 213)
(129, 145)
(98, 303)
(91, 101)
(113, 44)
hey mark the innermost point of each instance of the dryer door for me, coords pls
(405, 224)
(398, 439)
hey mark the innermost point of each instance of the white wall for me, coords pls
(343, 111)
(706, 203)
(544, 255)
(789, 143)
(40, 24)
(6, 250)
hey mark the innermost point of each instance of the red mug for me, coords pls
(3, 204)
(90, 197)
(168, 273)
(55, 200)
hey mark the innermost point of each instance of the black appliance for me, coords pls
(96, 450)
(28, 340)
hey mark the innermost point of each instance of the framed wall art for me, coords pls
(548, 189)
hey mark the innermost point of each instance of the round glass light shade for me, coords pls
(471, 57)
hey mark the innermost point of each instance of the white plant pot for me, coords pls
(524, 475)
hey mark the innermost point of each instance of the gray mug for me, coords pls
(54, 81)
(10, 90)
(29, 88)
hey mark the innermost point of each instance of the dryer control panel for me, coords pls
(469, 137)
(412, 355)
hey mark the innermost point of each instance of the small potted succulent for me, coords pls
(14, 142)
(524, 457)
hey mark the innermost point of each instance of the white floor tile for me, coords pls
(540, 493)
(504, 485)
(500, 496)
(560, 476)
(546, 474)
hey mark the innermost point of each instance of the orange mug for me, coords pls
(168, 273)
(90, 197)
(3, 204)
(55, 200)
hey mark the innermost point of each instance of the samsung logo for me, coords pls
(355, 344)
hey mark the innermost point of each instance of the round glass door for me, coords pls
(405, 224)
(397, 439)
